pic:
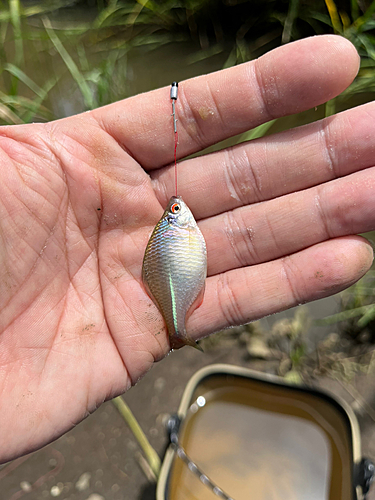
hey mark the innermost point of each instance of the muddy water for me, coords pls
(258, 443)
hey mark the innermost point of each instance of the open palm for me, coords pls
(79, 198)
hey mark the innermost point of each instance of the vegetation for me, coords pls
(50, 45)
(357, 315)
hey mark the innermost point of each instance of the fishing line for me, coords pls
(175, 159)
(174, 93)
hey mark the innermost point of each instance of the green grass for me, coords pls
(94, 50)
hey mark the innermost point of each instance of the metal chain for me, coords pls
(173, 426)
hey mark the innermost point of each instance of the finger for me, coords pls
(210, 108)
(274, 166)
(267, 231)
(240, 296)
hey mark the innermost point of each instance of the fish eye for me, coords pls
(175, 208)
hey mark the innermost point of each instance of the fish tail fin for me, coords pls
(177, 342)
(196, 346)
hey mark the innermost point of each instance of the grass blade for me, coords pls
(152, 457)
(367, 318)
(366, 16)
(256, 132)
(8, 116)
(38, 102)
(344, 315)
(70, 64)
(15, 19)
(334, 15)
(289, 21)
(20, 75)
(330, 108)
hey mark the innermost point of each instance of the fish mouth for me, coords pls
(175, 198)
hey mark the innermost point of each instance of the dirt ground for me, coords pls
(100, 459)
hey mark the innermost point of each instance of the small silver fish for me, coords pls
(175, 268)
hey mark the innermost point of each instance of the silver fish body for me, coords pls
(175, 268)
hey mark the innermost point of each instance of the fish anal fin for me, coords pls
(177, 340)
(197, 303)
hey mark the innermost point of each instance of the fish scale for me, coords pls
(175, 268)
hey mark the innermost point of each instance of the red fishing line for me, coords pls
(175, 159)
(174, 93)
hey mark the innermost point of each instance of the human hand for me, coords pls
(79, 198)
